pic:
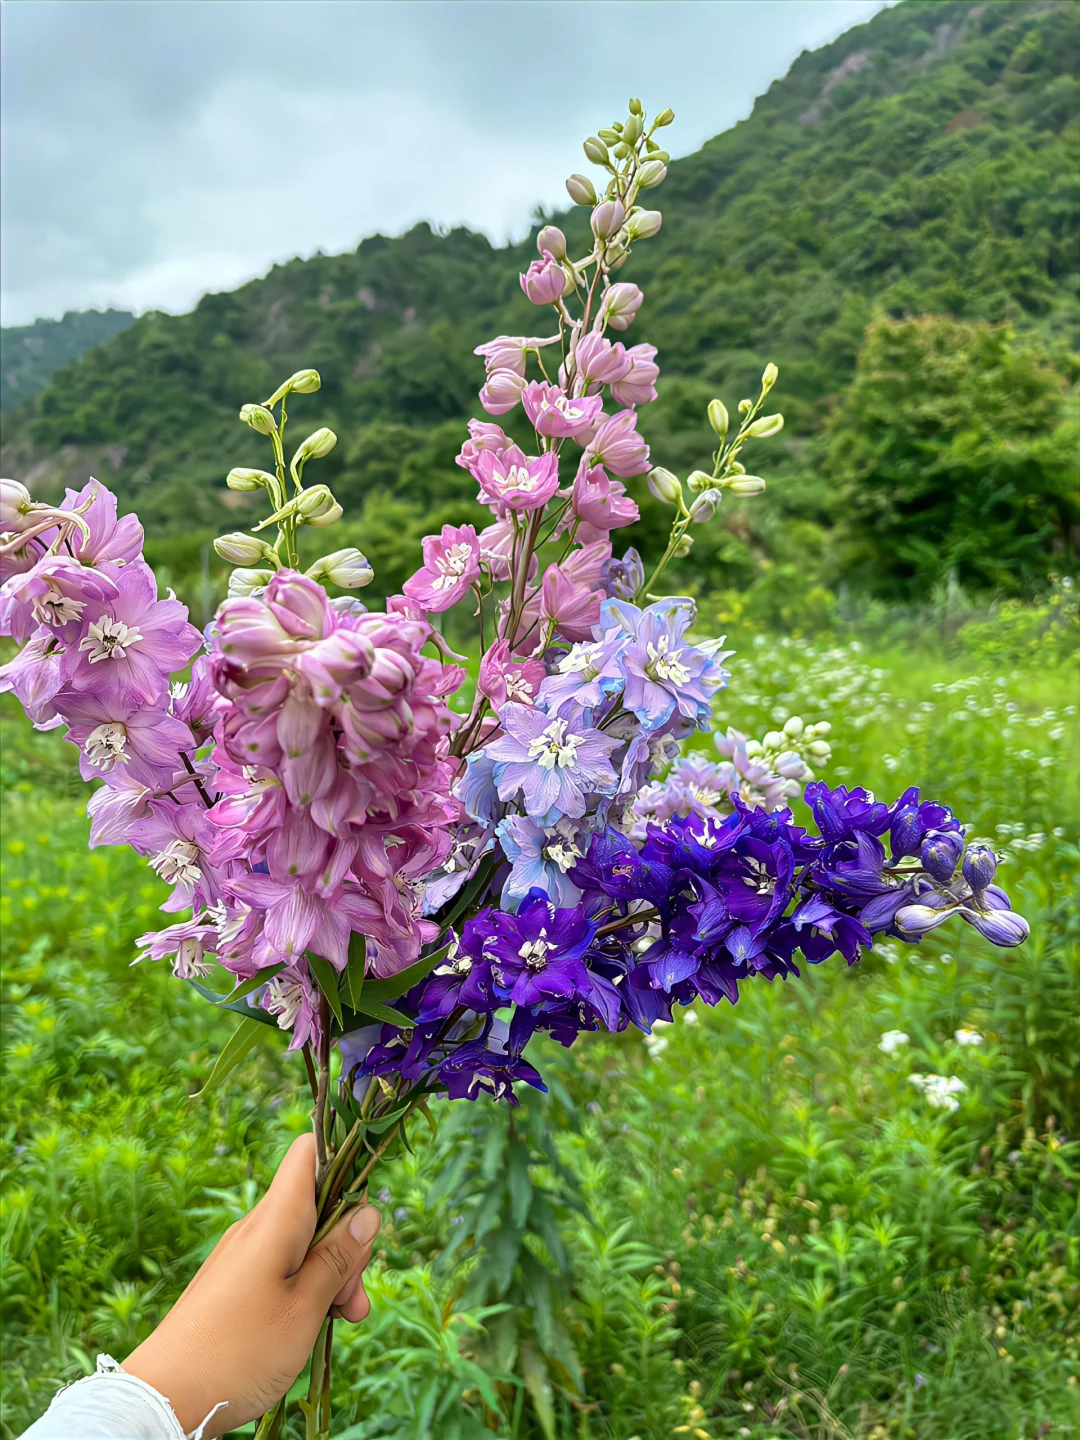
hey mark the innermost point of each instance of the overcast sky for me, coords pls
(157, 149)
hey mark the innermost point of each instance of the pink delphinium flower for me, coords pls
(508, 352)
(600, 504)
(553, 413)
(146, 742)
(617, 445)
(113, 542)
(502, 391)
(516, 480)
(483, 435)
(178, 842)
(451, 564)
(53, 593)
(502, 678)
(574, 609)
(600, 362)
(638, 385)
(35, 677)
(544, 281)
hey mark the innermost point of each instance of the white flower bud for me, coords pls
(552, 239)
(664, 485)
(581, 190)
(704, 507)
(768, 378)
(699, 480)
(718, 417)
(772, 740)
(819, 749)
(241, 549)
(319, 443)
(632, 131)
(242, 479)
(747, 485)
(595, 150)
(348, 569)
(259, 418)
(794, 726)
(651, 174)
(765, 426)
(313, 501)
(645, 224)
(15, 503)
(304, 382)
(683, 546)
(330, 514)
(245, 582)
(822, 727)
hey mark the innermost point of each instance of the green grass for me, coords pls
(785, 1240)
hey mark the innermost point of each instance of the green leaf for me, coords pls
(256, 982)
(404, 980)
(238, 1007)
(375, 1010)
(352, 982)
(535, 1371)
(236, 1047)
(326, 977)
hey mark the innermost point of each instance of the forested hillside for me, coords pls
(31, 354)
(923, 165)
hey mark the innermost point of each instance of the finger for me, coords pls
(355, 1306)
(334, 1261)
(286, 1214)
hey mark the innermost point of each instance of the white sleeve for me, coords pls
(111, 1405)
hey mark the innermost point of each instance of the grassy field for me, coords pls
(754, 1225)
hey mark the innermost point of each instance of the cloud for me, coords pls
(155, 150)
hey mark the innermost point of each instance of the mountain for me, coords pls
(31, 354)
(923, 163)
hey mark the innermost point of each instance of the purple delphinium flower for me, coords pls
(912, 822)
(843, 814)
(554, 762)
(585, 676)
(538, 955)
(662, 670)
(129, 645)
(622, 579)
(147, 742)
(492, 1064)
(540, 858)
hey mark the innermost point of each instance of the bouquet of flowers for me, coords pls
(425, 883)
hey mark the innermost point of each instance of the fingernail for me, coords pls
(364, 1224)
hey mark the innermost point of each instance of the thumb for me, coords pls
(337, 1258)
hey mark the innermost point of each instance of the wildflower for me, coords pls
(451, 564)
(544, 280)
(555, 414)
(966, 1036)
(940, 1091)
(515, 480)
(554, 763)
(893, 1040)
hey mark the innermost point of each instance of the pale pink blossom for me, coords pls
(516, 480)
(502, 391)
(556, 414)
(617, 445)
(451, 564)
(544, 281)
(638, 386)
(600, 503)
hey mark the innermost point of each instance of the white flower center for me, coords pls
(189, 959)
(564, 406)
(176, 863)
(535, 952)
(451, 565)
(562, 853)
(455, 963)
(553, 747)
(664, 663)
(109, 639)
(107, 746)
(582, 660)
(759, 878)
(52, 608)
(520, 477)
(705, 795)
(286, 998)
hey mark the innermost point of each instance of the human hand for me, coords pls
(243, 1329)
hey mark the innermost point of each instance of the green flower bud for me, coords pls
(632, 130)
(768, 378)
(664, 485)
(623, 151)
(635, 107)
(348, 569)
(765, 426)
(608, 136)
(241, 549)
(330, 515)
(242, 479)
(259, 418)
(581, 190)
(595, 150)
(304, 382)
(319, 443)
(683, 546)
(747, 485)
(651, 174)
(245, 582)
(704, 507)
(700, 480)
(745, 405)
(718, 417)
(313, 502)
(664, 118)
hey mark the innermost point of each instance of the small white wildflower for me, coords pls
(966, 1036)
(893, 1040)
(940, 1091)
